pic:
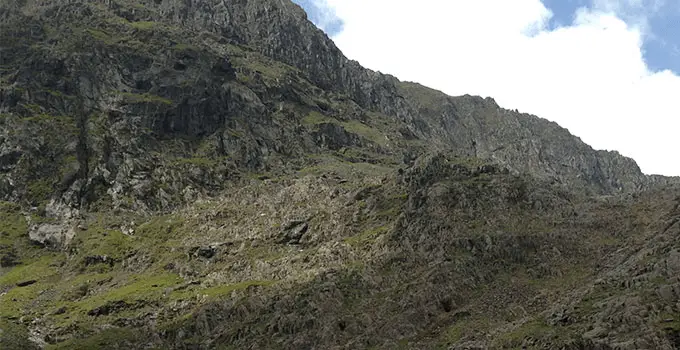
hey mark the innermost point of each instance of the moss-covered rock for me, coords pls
(200, 179)
(15, 337)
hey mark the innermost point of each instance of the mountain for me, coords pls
(217, 174)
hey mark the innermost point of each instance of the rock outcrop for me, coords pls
(218, 173)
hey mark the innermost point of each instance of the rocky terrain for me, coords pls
(217, 175)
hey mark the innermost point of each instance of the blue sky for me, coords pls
(322, 15)
(607, 70)
(661, 44)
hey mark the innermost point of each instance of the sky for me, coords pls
(607, 70)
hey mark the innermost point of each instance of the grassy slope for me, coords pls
(172, 270)
(159, 270)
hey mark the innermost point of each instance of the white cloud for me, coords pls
(321, 14)
(635, 12)
(589, 77)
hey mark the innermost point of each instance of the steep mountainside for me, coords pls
(216, 174)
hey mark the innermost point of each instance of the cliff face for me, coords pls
(167, 67)
(217, 172)
(280, 30)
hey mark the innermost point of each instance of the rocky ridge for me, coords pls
(218, 174)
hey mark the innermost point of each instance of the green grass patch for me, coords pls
(20, 300)
(78, 286)
(15, 303)
(59, 94)
(462, 328)
(14, 336)
(39, 190)
(32, 107)
(365, 131)
(106, 242)
(428, 99)
(352, 126)
(669, 323)
(100, 35)
(15, 246)
(314, 117)
(143, 287)
(12, 223)
(103, 237)
(63, 123)
(162, 227)
(255, 63)
(367, 237)
(129, 97)
(535, 329)
(143, 25)
(38, 269)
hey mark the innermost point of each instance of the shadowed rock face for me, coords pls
(217, 173)
(166, 68)
(280, 30)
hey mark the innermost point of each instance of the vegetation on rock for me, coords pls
(221, 176)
